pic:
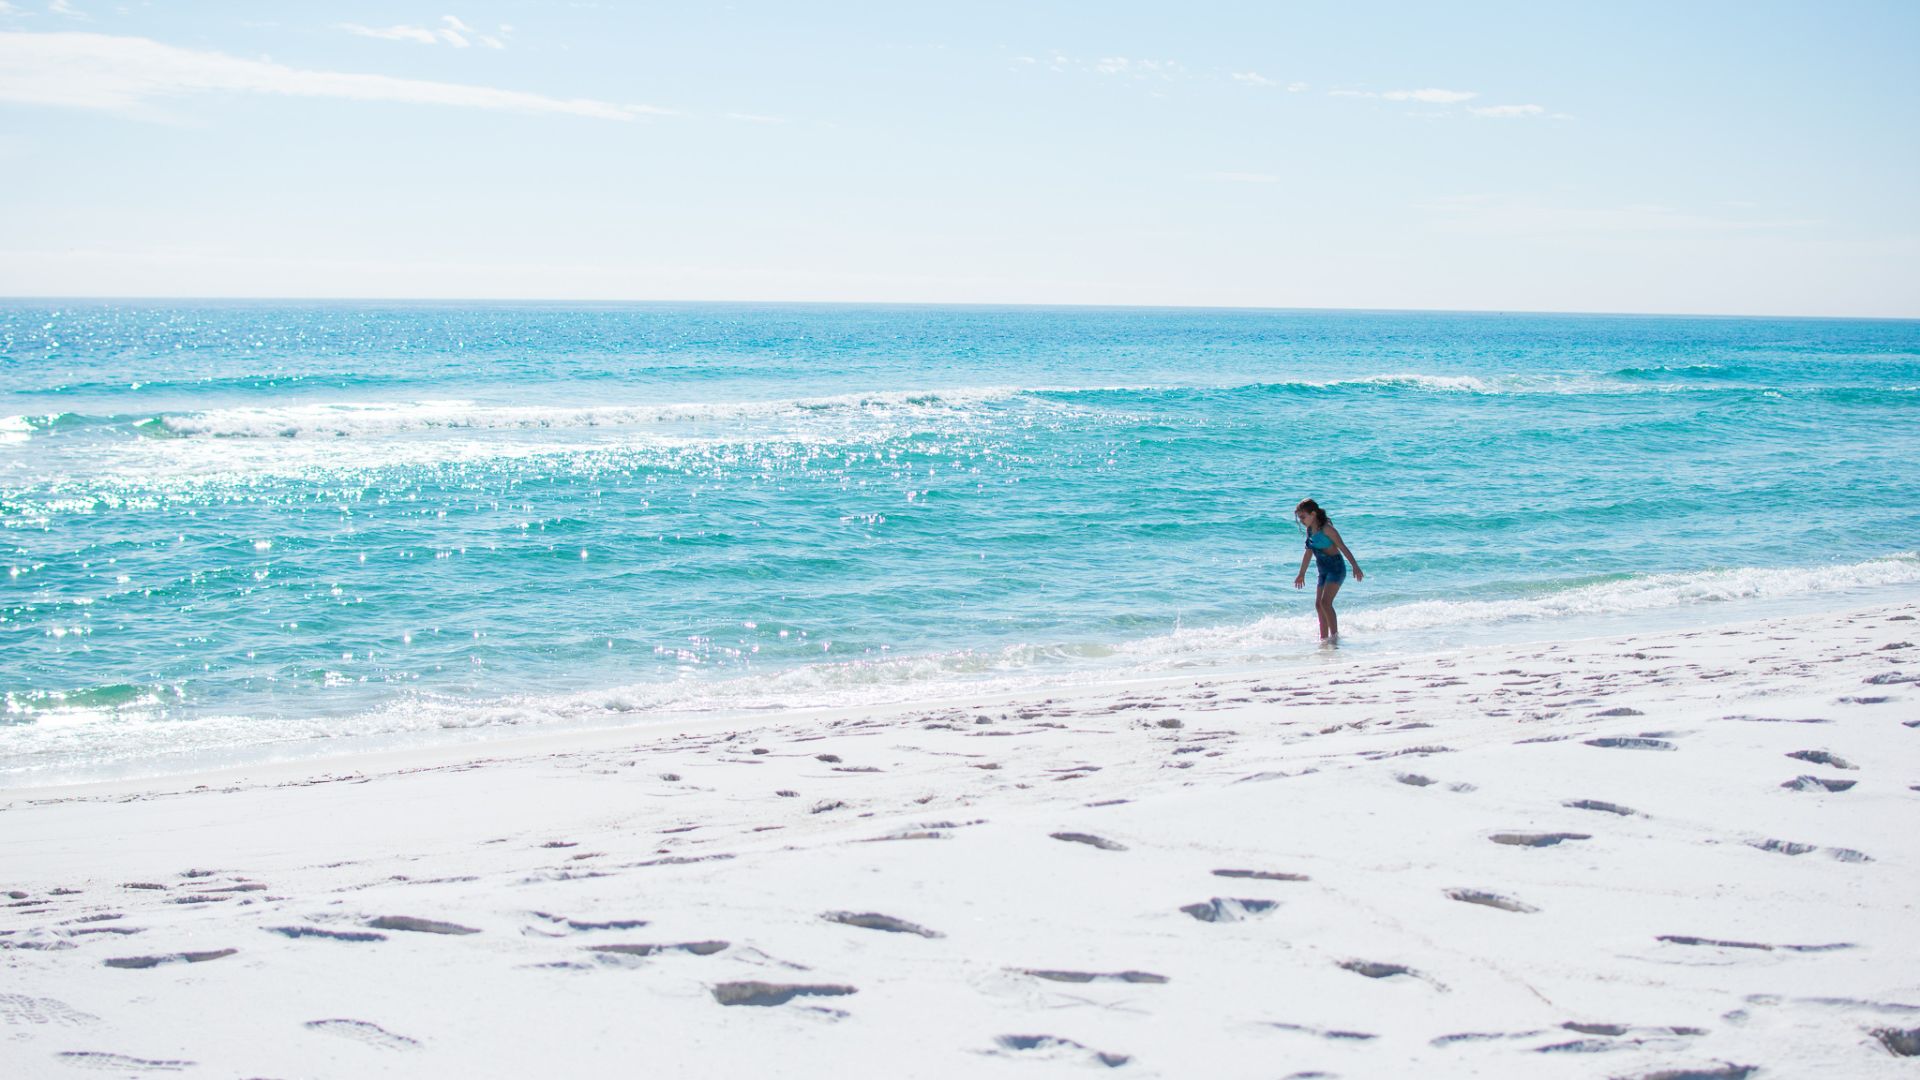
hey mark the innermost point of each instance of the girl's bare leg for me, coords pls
(1329, 619)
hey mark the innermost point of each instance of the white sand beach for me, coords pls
(1677, 854)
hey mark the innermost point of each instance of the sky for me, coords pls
(1705, 157)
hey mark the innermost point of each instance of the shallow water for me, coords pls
(234, 530)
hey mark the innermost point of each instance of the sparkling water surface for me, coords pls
(243, 530)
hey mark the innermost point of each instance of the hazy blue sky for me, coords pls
(1671, 157)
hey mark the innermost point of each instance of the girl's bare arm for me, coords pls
(1333, 534)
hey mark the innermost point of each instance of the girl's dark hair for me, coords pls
(1308, 506)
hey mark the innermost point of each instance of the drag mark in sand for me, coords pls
(1324, 1033)
(1480, 1036)
(120, 1063)
(141, 962)
(1052, 975)
(1261, 875)
(697, 948)
(1687, 939)
(364, 1031)
(1709, 1072)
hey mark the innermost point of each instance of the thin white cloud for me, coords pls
(62, 7)
(1254, 78)
(1507, 111)
(393, 33)
(1431, 96)
(1428, 96)
(1118, 66)
(451, 31)
(127, 74)
(9, 9)
(1521, 216)
(1242, 177)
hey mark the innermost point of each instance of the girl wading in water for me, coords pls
(1325, 548)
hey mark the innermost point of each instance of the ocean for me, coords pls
(234, 532)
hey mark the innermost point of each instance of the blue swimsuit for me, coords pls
(1331, 564)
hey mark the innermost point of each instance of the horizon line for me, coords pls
(985, 304)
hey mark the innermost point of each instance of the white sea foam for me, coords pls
(343, 419)
(15, 429)
(1415, 381)
(1625, 596)
(95, 741)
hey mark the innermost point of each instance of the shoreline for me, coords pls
(1596, 858)
(490, 740)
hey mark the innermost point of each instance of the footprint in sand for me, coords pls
(1817, 783)
(1375, 970)
(419, 926)
(1221, 909)
(1822, 757)
(1054, 1046)
(870, 920)
(326, 935)
(367, 1032)
(1622, 1029)
(1900, 1042)
(1090, 840)
(1703, 1072)
(768, 994)
(1626, 743)
(1261, 875)
(1488, 899)
(1536, 839)
(24, 1009)
(582, 924)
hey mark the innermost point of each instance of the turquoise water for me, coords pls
(264, 529)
